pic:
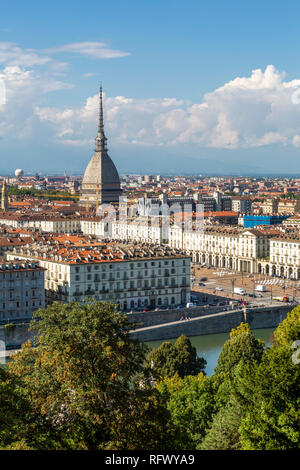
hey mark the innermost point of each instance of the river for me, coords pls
(209, 346)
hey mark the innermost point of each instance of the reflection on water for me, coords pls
(209, 346)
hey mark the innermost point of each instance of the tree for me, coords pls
(86, 378)
(19, 423)
(191, 404)
(241, 346)
(268, 394)
(224, 431)
(180, 358)
(289, 329)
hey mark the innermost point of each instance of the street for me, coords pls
(222, 282)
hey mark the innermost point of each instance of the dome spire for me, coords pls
(100, 139)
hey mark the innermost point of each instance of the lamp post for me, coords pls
(271, 294)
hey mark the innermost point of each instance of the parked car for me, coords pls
(219, 288)
(203, 278)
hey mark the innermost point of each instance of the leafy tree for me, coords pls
(19, 423)
(191, 405)
(180, 358)
(241, 346)
(224, 431)
(289, 329)
(268, 394)
(86, 378)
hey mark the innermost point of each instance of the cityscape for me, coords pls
(153, 310)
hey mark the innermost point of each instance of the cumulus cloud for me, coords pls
(27, 75)
(246, 112)
(24, 89)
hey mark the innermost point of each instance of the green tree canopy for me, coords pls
(224, 431)
(191, 405)
(289, 330)
(180, 358)
(241, 346)
(268, 394)
(86, 378)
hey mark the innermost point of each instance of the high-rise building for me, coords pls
(101, 182)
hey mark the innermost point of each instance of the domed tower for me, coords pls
(101, 182)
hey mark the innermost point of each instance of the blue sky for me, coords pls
(180, 91)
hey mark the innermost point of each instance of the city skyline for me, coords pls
(196, 101)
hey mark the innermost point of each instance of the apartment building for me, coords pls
(242, 204)
(129, 275)
(45, 223)
(22, 290)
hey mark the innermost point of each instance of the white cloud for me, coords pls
(24, 89)
(91, 49)
(246, 112)
(12, 54)
(27, 75)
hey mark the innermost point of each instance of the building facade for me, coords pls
(145, 277)
(22, 290)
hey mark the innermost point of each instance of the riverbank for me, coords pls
(210, 346)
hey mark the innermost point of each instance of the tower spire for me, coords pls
(100, 139)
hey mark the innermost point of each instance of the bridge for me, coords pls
(214, 322)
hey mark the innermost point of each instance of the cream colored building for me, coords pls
(133, 278)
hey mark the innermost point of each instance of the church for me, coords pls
(101, 181)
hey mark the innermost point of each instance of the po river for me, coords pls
(209, 346)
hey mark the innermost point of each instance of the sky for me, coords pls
(192, 87)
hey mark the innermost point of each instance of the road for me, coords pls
(200, 317)
(227, 280)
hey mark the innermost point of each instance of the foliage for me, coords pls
(191, 405)
(180, 358)
(289, 330)
(85, 378)
(85, 384)
(242, 346)
(40, 193)
(19, 424)
(268, 394)
(224, 431)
